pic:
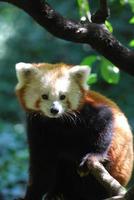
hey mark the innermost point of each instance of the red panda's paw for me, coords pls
(89, 162)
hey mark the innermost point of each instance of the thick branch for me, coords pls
(93, 34)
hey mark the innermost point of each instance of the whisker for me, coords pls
(72, 117)
(79, 119)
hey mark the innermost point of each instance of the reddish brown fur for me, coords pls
(68, 103)
(20, 94)
(121, 149)
(37, 104)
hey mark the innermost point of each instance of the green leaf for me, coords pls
(109, 72)
(130, 2)
(122, 2)
(109, 26)
(131, 21)
(92, 79)
(131, 43)
(89, 60)
(84, 8)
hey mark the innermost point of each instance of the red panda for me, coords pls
(65, 122)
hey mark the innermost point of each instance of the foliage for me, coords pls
(84, 9)
(109, 72)
(131, 43)
(21, 39)
(12, 163)
(109, 26)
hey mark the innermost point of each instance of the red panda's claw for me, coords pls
(83, 169)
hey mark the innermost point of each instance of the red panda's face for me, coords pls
(51, 90)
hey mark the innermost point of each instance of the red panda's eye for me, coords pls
(45, 96)
(62, 97)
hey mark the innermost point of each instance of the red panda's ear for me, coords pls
(24, 71)
(25, 68)
(80, 72)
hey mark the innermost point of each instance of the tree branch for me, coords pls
(93, 34)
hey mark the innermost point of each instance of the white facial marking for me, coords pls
(62, 85)
(54, 90)
(40, 81)
(58, 107)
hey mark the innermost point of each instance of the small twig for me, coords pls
(116, 198)
(101, 15)
(130, 194)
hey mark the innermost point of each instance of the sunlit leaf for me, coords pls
(131, 21)
(89, 60)
(131, 43)
(122, 2)
(130, 2)
(92, 79)
(109, 26)
(109, 72)
(84, 7)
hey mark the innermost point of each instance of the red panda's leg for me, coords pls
(100, 130)
(89, 161)
(37, 186)
(34, 192)
(103, 176)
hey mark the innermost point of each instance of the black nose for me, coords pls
(54, 111)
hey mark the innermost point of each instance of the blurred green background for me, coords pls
(22, 39)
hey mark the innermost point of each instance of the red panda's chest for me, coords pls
(89, 131)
